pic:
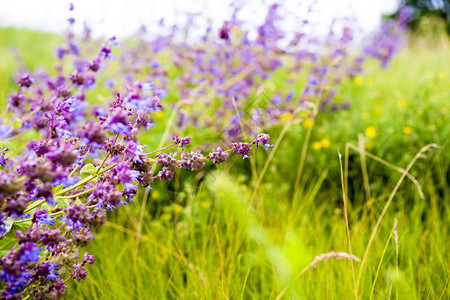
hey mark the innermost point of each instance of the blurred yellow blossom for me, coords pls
(159, 114)
(442, 75)
(178, 208)
(407, 130)
(371, 132)
(359, 80)
(325, 143)
(155, 194)
(308, 123)
(205, 204)
(317, 145)
(286, 116)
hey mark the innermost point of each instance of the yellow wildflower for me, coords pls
(407, 130)
(308, 123)
(371, 132)
(325, 143)
(359, 80)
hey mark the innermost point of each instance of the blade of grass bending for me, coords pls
(386, 206)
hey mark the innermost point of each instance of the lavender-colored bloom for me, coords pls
(5, 131)
(166, 159)
(79, 272)
(46, 271)
(181, 141)
(64, 155)
(60, 52)
(135, 151)
(88, 258)
(218, 156)
(241, 149)
(3, 159)
(192, 160)
(148, 86)
(42, 217)
(263, 138)
(25, 81)
(29, 252)
(117, 122)
(224, 32)
(165, 174)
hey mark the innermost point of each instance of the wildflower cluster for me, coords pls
(85, 161)
(227, 72)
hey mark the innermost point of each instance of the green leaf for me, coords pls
(88, 169)
(63, 202)
(9, 239)
(58, 188)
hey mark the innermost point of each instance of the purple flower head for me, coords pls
(42, 217)
(148, 86)
(88, 258)
(263, 138)
(5, 131)
(92, 133)
(77, 216)
(3, 160)
(218, 156)
(122, 171)
(135, 151)
(16, 101)
(29, 252)
(167, 160)
(117, 122)
(105, 52)
(165, 174)
(25, 81)
(79, 272)
(224, 32)
(3, 229)
(60, 52)
(73, 48)
(181, 141)
(46, 271)
(192, 160)
(65, 155)
(114, 41)
(143, 119)
(16, 204)
(405, 14)
(242, 149)
(94, 66)
(313, 80)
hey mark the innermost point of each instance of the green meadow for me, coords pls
(372, 181)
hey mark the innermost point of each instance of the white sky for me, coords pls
(122, 18)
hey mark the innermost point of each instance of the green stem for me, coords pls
(34, 205)
(77, 195)
(159, 150)
(78, 166)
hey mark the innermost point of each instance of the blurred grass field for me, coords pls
(210, 235)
